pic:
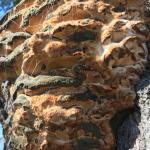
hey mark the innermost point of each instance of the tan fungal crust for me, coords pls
(72, 65)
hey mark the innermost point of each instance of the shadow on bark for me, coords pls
(125, 127)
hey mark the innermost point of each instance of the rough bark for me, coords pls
(68, 71)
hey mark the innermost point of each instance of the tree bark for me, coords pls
(68, 72)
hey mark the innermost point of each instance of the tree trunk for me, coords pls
(68, 71)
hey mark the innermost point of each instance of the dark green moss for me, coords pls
(51, 2)
(29, 13)
(13, 36)
(83, 35)
(34, 11)
(29, 82)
